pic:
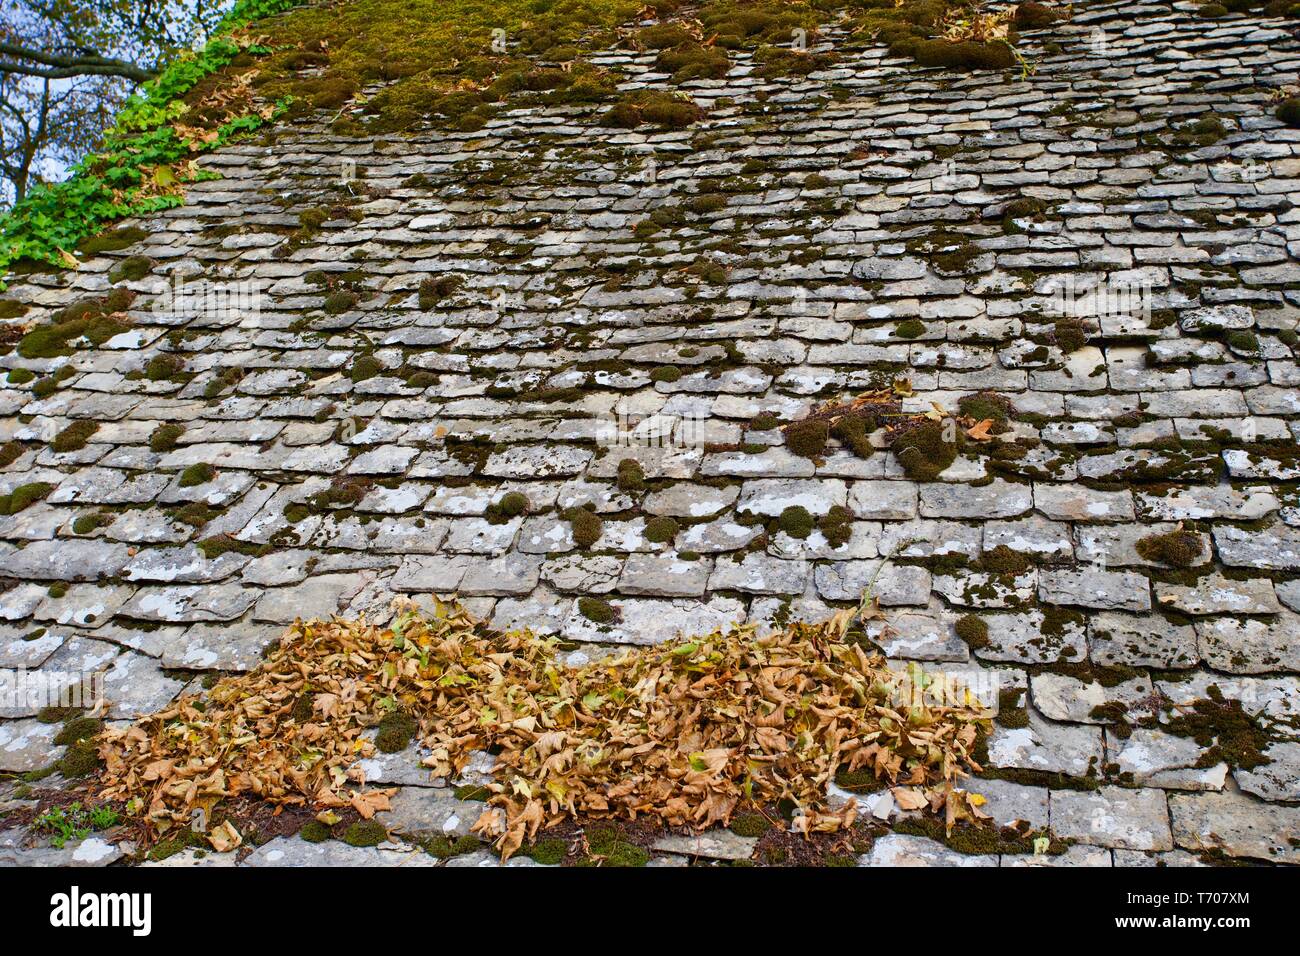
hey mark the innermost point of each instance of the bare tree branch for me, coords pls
(61, 66)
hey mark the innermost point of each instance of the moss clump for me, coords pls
(1288, 111)
(510, 505)
(608, 844)
(395, 732)
(365, 833)
(340, 301)
(197, 474)
(180, 841)
(313, 831)
(434, 290)
(165, 437)
(808, 438)
(19, 376)
(1223, 726)
(973, 630)
(1004, 560)
(631, 476)
(1212, 11)
(596, 610)
(836, 526)
(926, 449)
(1180, 549)
(365, 367)
(986, 405)
(80, 760)
(661, 530)
(444, 847)
(114, 240)
(764, 422)
(165, 368)
(693, 61)
(75, 436)
(1010, 714)
(78, 729)
(659, 109)
(91, 522)
(24, 495)
(909, 329)
(1033, 16)
(10, 452)
(796, 521)
(12, 309)
(854, 430)
(131, 269)
(86, 321)
(548, 852)
(749, 824)
(963, 55)
(1070, 335)
(1242, 340)
(665, 373)
(860, 781)
(585, 526)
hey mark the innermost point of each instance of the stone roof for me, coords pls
(523, 307)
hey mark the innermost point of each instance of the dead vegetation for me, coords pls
(685, 734)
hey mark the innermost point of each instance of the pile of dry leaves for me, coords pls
(687, 733)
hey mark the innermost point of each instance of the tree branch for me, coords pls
(55, 66)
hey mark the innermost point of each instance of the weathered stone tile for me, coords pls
(1238, 825)
(1113, 817)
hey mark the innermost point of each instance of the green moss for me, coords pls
(78, 729)
(80, 760)
(1223, 727)
(113, 240)
(434, 290)
(313, 831)
(24, 495)
(1180, 549)
(807, 438)
(165, 437)
(1288, 111)
(75, 436)
(197, 474)
(1034, 16)
(12, 309)
(92, 521)
(214, 548)
(609, 844)
(665, 373)
(395, 732)
(1212, 11)
(444, 848)
(131, 269)
(1242, 340)
(661, 530)
(659, 109)
(165, 368)
(796, 521)
(183, 839)
(860, 781)
(986, 405)
(365, 833)
(548, 852)
(631, 476)
(1010, 714)
(909, 329)
(973, 630)
(836, 526)
(926, 449)
(1070, 335)
(88, 321)
(10, 452)
(1004, 560)
(596, 610)
(20, 376)
(585, 525)
(764, 422)
(511, 505)
(750, 824)
(343, 300)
